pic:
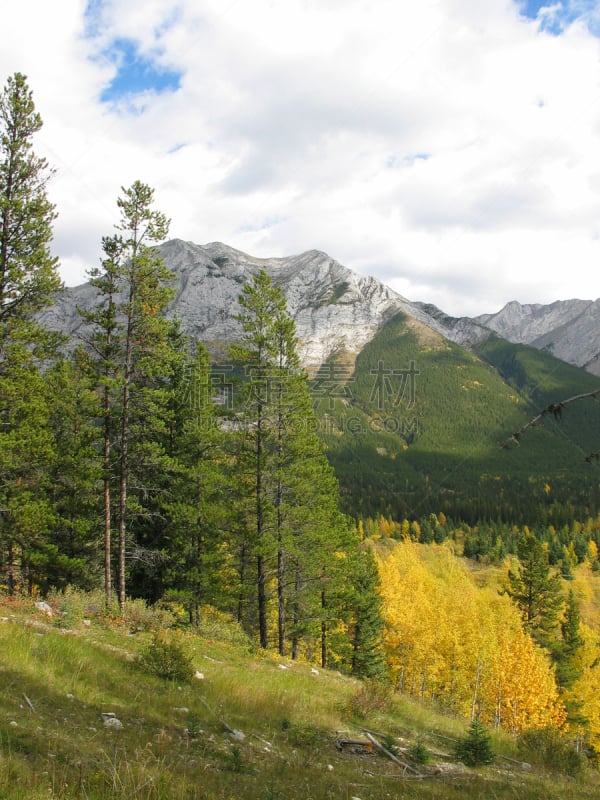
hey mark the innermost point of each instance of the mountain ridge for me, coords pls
(569, 329)
(336, 309)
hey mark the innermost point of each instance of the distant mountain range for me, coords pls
(414, 405)
(337, 309)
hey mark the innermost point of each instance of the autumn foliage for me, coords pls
(450, 641)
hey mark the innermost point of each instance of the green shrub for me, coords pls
(194, 726)
(142, 616)
(372, 697)
(234, 760)
(419, 753)
(548, 747)
(223, 627)
(475, 748)
(391, 744)
(166, 658)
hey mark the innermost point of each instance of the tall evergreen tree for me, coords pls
(261, 305)
(568, 669)
(28, 271)
(366, 620)
(129, 342)
(28, 280)
(535, 589)
(294, 526)
(71, 556)
(187, 520)
(104, 343)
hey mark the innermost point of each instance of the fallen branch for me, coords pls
(406, 767)
(373, 733)
(29, 703)
(355, 743)
(555, 410)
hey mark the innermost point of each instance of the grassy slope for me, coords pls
(291, 719)
(444, 450)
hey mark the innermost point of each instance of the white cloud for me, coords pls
(450, 148)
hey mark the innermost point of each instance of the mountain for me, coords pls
(426, 425)
(414, 405)
(334, 309)
(569, 329)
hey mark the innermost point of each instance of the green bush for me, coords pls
(166, 658)
(74, 605)
(419, 753)
(142, 616)
(546, 746)
(223, 628)
(372, 697)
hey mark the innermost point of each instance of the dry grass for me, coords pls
(175, 740)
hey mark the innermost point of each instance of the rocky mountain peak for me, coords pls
(335, 309)
(569, 329)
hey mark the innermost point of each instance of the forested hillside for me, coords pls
(422, 426)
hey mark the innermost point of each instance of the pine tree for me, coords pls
(28, 271)
(28, 281)
(261, 305)
(71, 555)
(294, 526)
(568, 671)
(128, 343)
(190, 520)
(534, 589)
(366, 620)
(103, 345)
(475, 748)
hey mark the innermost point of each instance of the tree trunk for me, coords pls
(260, 563)
(323, 631)
(124, 464)
(295, 636)
(262, 602)
(11, 570)
(242, 574)
(281, 600)
(107, 509)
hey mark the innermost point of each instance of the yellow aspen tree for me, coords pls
(521, 690)
(592, 553)
(411, 618)
(584, 695)
(415, 530)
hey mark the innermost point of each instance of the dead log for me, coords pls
(406, 767)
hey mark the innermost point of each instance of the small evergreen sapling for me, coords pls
(475, 748)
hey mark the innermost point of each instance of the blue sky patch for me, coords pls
(393, 162)
(136, 73)
(556, 15)
(92, 17)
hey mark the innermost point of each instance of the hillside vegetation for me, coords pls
(420, 426)
(252, 726)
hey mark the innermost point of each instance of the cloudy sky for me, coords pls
(451, 148)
